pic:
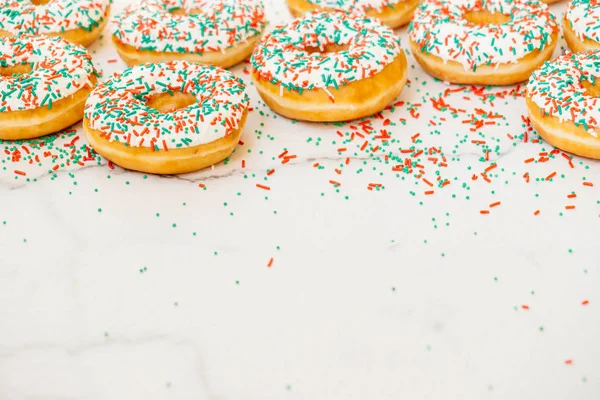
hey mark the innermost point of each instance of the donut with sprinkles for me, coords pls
(581, 25)
(483, 42)
(216, 32)
(393, 13)
(44, 82)
(167, 118)
(563, 99)
(329, 67)
(78, 21)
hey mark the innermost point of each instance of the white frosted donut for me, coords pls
(43, 85)
(329, 67)
(167, 118)
(491, 42)
(582, 25)
(393, 13)
(217, 32)
(78, 21)
(564, 103)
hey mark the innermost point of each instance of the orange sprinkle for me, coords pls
(427, 182)
(529, 160)
(315, 165)
(524, 307)
(484, 212)
(571, 196)
(243, 163)
(271, 172)
(341, 149)
(536, 212)
(569, 362)
(201, 185)
(335, 183)
(258, 185)
(571, 207)
(551, 176)
(270, 262)
(282, 154)
(495, 204)
(588, 184)
(585, 302)
(491, 167)
(429, 192)
(20, 172)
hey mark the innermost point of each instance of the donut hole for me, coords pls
(39, 2)
(591, 89)
(182, 11)
(485, 17)
(19, 69)
(328, 48)
(167, 102)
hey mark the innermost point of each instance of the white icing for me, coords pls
(439, 28)
(60, 69)
(149, 24)
(281, 57)
(584, 16)
(557, 89)
(354, 5)
(118, 107)
(22, 16)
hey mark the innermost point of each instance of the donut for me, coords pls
(581, 25)
(216, 32)
(393, 13)
(78, 21)
(482, 42)
(329, 67)
(563, 100)
(44, 82)
(167, 118)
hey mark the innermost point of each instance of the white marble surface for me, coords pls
(114, 285)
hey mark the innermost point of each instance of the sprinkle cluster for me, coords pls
(557, 89)
(354, 5)
(584, 16)
(118, 107)
(283, 56)
(59, 70)
(439, 28)
(22, 16)
(205, 26)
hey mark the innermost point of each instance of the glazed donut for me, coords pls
(564, 103)
(78, 21)
(393, 13)
(44, 82)
(482, 42)
(168, 118)
(582, 25)
(216, 32)
(329, 67)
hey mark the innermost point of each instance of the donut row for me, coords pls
(178, 116)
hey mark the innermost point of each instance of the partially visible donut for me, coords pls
(78, 21)
(329, 67)
(393, 13)
(581, 25)
(563, 98)
(483, 42)
(44, 83)
(168, 118)
(216, 32)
